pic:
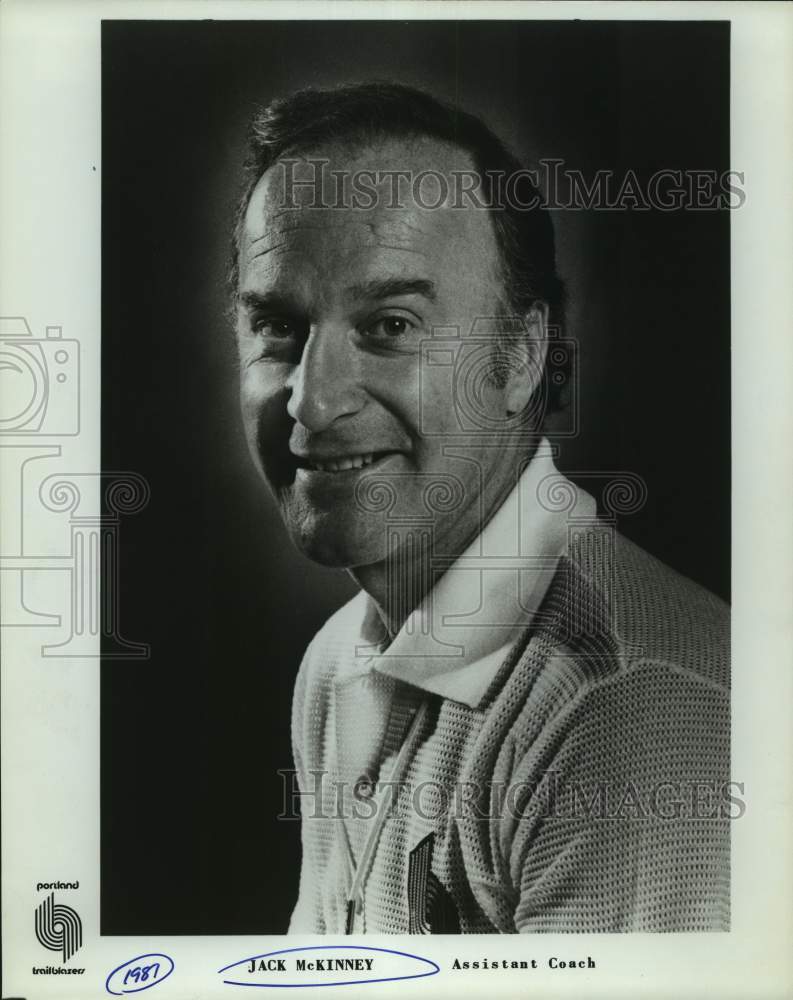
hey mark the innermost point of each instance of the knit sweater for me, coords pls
(570, 774)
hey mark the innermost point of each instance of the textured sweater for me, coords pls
(560, 734)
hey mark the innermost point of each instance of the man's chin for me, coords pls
(334, 549)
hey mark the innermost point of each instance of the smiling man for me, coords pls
(502, 731)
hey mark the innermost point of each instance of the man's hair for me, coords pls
(309, 119)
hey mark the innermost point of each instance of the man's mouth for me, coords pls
(341, 463)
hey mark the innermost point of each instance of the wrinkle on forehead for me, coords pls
(465, 234)
(396, 232)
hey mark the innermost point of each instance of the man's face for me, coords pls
(333, 305)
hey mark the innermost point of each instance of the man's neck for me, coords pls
(399, 583)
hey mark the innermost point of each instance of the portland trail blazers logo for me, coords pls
(58, 927)
(430, 907)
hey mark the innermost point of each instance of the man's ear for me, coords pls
(526, 376)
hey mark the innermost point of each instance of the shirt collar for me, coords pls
(454, 643)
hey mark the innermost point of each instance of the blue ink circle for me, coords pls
(133, 961)
(435, 968)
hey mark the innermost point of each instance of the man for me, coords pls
(521, 722)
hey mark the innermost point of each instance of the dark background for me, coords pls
(192, 738)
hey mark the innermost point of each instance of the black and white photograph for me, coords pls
(426, 363)
(395, 472)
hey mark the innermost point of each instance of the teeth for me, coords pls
(343, 464)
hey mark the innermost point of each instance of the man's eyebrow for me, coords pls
(265, 300)
(384, 288)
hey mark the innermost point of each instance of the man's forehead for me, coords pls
(388, 191)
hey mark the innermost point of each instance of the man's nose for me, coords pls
(323, 385)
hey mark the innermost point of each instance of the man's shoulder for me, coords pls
(339, 641)
(620, 595)
(617, 622)
(347, 619)
(333, 649)
(627, 664)
(640, 568)
(669, 617)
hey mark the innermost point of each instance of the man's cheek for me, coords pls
(435, 404)
(265, 418)
(263, 391)
(251, 406)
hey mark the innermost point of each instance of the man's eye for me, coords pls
(389, 327)
(277, 329)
